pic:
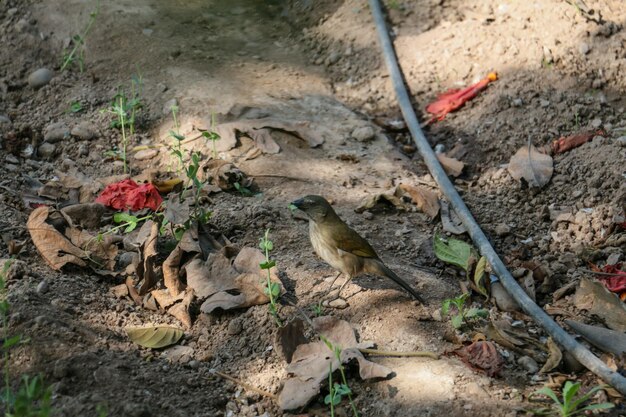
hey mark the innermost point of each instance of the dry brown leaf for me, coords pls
(289, 337)
(594, 297)
(132, 291)
(501, 332)
(554, 358)
(264, 141)
(230, 279)
(223, 174)
(148, 272)
(102, 252)
(165, 299)
(181, 310)
(535, 167)
(450, 221)
(171, 266)
(311, 362)
(51, 244)
(87, 215)
(452, 166)
(482, 355)
(249, 127)
(389, 196)
(425, 200)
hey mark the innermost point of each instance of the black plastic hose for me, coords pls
(582, 354)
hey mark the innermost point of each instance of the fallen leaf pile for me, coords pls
(424, 199)
(311, 362)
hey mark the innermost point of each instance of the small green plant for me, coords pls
(462, 315)
(318, 309)
(571, 405)
(272, 289)
(77, 53)
(244, 191)
(337, 391)
(75, 107)
(212, 135)
(32, 398)
(125, 109)
(177, 150)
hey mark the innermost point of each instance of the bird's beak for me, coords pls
(298, 203)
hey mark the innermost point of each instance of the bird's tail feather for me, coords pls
(379, 268)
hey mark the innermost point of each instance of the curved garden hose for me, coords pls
(582, 354)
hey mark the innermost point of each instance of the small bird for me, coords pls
(342, 247)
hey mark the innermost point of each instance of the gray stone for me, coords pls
(167, 107)
(597, 122)
(56, 132)
(42, 287)
(147, 31)
(544, 103)
(363, 133)
(440, 148)
(614, 258)
(11, 159)
(584, 48)
(84, 131)
(46, 150)
(502, 229)
(529, 364)
(333, 57)
(146, 154)
(235, 327)
(621, 141)
(368, 215)
(517, 102)
(4, 119)
(40, 77)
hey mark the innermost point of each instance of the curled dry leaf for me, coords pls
(223, 174)
(86, 215)
(452, 166)
(100, 251)
(289, 337)
(425, 200)
(229, 278)
(56, 250)
(501, 332)
(181, 310)
(148, 271)
(531, 165)
(394, 197)
(311, 362)
(259, 130)
(154, 337)
(482, 355)
(554, 358)
(451, 221)
(593, 297)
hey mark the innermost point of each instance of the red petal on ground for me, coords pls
(452, 100)
(565, 143)
(127, 194)
(615, 283)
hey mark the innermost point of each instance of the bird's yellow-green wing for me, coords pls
(348, 240)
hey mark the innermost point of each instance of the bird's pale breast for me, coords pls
(326, 248)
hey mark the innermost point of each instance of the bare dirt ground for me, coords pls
(561, 71)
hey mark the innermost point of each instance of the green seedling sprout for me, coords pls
(272, 289)
(337, 391)
(77, 54)
(212, 135)
(462, 315)
(571, 405)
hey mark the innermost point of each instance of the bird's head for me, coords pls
(315, 206)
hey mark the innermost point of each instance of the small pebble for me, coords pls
(363, 133)
(167, 107)
(338, 303)
(42, 287)
(235, 327)
(146, 154)
(597, 122)
(368, 215)
(84, 131)
(4, 119)
(502, 229)
(529, 364)
(46, 150)
(40, 78)
(584, 48)
(621, 141)
(544, 103)
(517, 102)
(56, 132)
(147, 31)
(440, 148)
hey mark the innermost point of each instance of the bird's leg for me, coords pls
(332, 284)
(344, 284)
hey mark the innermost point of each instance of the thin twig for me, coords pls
(417, 353)
(246, 386)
